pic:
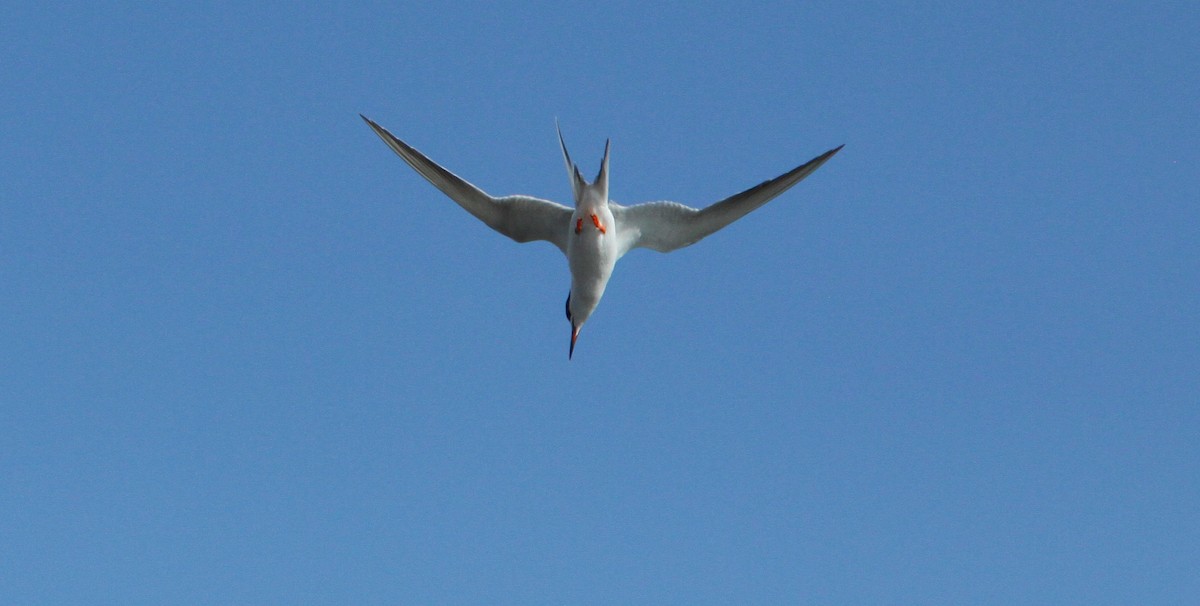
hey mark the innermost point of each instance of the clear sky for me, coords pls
(250, 357)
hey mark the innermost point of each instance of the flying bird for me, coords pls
(597, 232)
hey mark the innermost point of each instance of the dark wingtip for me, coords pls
(374, 126)
(816, 163)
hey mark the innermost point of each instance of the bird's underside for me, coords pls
(597, 231)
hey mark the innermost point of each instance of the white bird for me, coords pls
(598, 231)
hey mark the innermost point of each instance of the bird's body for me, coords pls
(597, 232)
(592, 256)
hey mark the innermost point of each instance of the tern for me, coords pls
(597, 232)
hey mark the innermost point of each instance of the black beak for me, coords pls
(574, 335)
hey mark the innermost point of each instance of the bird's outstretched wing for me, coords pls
(666, 226)
(522, 218)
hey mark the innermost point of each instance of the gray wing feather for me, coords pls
(522, 218)
(667, 226)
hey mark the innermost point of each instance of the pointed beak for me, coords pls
(574, 335)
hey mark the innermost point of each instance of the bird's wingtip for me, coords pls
(379, 130)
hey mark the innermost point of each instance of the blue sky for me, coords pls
(251, 357)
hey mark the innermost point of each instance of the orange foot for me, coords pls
(578, 225)
(596, 222)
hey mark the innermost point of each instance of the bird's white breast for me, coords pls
(591, 256)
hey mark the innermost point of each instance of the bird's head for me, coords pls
(579, 310)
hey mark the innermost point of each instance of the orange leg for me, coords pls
(578, 225)
(596, 222)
